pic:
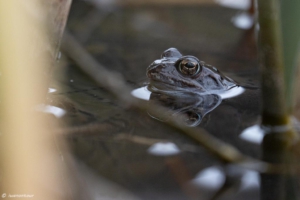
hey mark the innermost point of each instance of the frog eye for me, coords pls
(189, 67)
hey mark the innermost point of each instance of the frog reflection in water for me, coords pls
(188, 87)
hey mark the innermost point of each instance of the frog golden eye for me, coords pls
(189, 67)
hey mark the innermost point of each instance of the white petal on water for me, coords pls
(164, 149)
(210, 178)
(141, 93)
(243, 21)
(56, 111)
(253, 134)
(250, 180)
(51, 90)
(58, 56)
(237, 4)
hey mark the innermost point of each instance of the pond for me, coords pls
(126, 153)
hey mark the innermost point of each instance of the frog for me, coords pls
(174, 72)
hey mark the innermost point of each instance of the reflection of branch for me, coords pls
(115, 84)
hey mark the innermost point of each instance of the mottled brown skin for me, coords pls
(174, 72)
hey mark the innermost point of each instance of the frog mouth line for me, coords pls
(165, 85)
(230, 93)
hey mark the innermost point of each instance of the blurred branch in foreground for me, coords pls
(30, 164)
(291, 49)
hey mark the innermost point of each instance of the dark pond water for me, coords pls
(127, 147)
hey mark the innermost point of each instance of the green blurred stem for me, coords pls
(274, 110)
(291, 47)
(277, 85)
